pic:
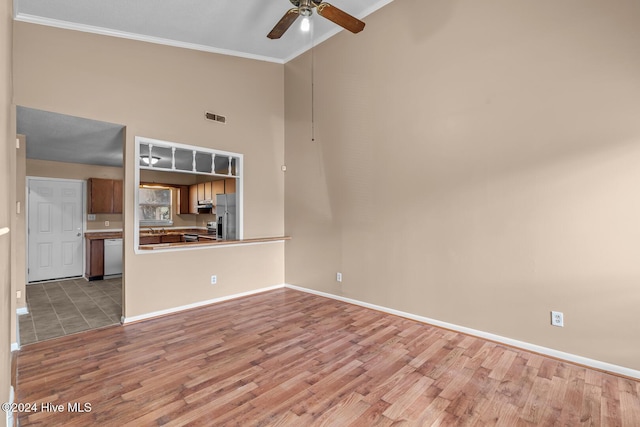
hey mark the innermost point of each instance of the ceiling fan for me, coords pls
(305, 8)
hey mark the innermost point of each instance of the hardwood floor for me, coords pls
(290, 358)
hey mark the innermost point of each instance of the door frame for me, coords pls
(83, 183)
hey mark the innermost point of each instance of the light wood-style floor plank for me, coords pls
(288, 358)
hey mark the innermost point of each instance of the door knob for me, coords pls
(78, 234)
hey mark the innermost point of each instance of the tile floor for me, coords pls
(65, 307)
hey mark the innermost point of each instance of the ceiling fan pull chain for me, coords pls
(313, 115)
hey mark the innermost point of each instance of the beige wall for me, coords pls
(7, 144)
(476, 163)
(162, 92)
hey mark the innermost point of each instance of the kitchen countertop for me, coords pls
(201, 243)
(166, 231)
(101, 235)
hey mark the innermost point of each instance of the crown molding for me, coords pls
(66, 25)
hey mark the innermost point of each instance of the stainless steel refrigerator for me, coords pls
(227, 216)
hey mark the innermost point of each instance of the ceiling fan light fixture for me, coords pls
(150, 160)
(305, 26)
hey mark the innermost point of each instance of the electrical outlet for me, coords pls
(91, 217)
(106, 223)
(18, 294)
(338, 277)
(557, 318)
(214, 279)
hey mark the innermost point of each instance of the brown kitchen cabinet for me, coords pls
(218, 187)
(229, 186)
(117, 196)
(160, 238)
(203, 191)
(104, 196)
(184, 205)
(170, 238)
(193, 199)
(208, 193)
(199, 191)
(94, 268)
(149, 240)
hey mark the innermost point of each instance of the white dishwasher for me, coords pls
(112, 256)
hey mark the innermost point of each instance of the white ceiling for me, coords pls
(232, 27)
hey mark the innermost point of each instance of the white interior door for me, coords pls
(55, 229)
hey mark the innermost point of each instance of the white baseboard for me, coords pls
(10, 413)
(15, 346)
(22, 311)
(580, 360)
(146, 316)
(584, 361)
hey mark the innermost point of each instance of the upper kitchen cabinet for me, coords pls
(217, 188)
(117, 196)
(184, 202)
(104, 196)
(229, 186)
(199, 198)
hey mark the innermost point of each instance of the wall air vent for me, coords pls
(215, 117)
